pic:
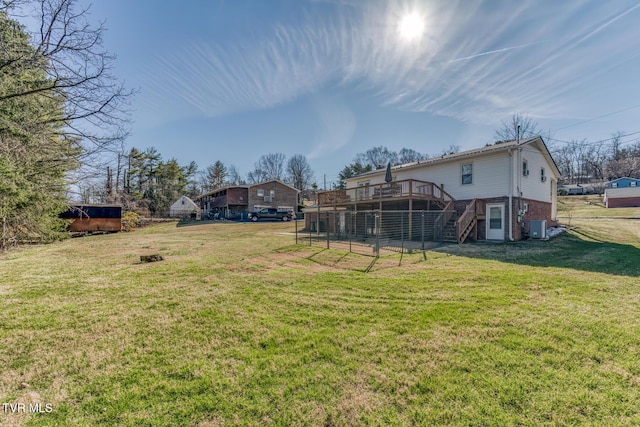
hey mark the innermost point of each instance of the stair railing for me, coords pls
(466, 221)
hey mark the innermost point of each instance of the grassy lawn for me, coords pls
(240, 327)
(590, 206)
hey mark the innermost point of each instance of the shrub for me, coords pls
(130, 220)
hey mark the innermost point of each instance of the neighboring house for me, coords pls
(184, 206)
(572, 189)
(226, 202)
(231, 201)
(91, 218)
(624, 182)
(273, 194)
(492, 192)
(622, 197)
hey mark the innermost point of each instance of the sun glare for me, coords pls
(411, 26)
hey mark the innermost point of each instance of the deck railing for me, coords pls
(409, 188)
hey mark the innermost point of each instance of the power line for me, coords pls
(600, 141)
(600, 117)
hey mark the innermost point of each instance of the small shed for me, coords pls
(184, 206)
(622, 197)
(92, 218)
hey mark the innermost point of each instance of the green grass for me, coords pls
(590, 206)
(238, 326)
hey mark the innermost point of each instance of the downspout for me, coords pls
(519, 172)
(510, 195)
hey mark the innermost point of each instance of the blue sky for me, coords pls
(233, 80)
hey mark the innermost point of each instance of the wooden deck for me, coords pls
(410, 189)
(379, 196)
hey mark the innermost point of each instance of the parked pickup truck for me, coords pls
(271, 213)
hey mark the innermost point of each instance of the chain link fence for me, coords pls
(376, 232)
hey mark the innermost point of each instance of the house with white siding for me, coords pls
(493, 192)
(183, 207)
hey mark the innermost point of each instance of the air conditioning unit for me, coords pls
(538, 229)
(543, 179)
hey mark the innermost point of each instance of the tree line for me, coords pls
(582, 162)
(60, 109)
(142, 181)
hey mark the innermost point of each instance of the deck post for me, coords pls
(327, 229)
(318, 224)
(422, 217)
(410, 217)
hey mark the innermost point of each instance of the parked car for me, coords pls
(271, 213)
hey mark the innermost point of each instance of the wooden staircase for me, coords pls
(449, 232)
(468, 221)
(446, 233)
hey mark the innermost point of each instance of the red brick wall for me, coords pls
(623, 202)
(537, 210)
(284, 195)
(482, 224)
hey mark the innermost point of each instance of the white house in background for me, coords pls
(184, 206)
(496, 190)
(626, 197)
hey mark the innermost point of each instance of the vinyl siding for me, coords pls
(532, 186)
(491, 173)
(490, 176)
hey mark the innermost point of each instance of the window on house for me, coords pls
(525, 168)
(272, 193)
(467, 173)
(634, 183)
(543, 177)
(614, 185)
(260, 192)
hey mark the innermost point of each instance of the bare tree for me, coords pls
(625, 167)
(299, 172)
(377, 157)
(616, 142)
(408, 155)
(78, 71)
(452, 149)
(519, 126)
(233, 176)
(563, 157)
(268, 167)
(595, 160)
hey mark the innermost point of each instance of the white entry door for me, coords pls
(495, 221)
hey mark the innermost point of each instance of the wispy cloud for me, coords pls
(338, 125)
(474, 62)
